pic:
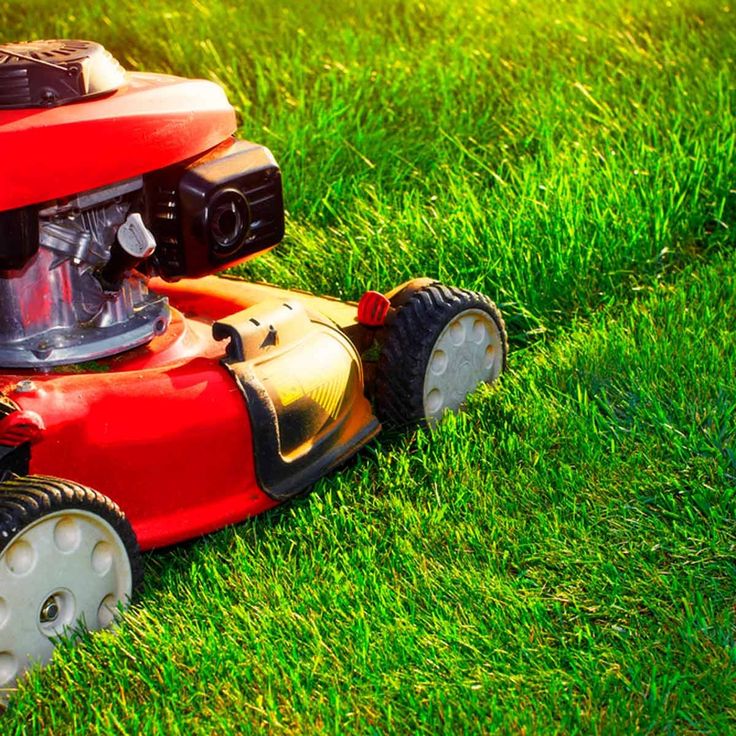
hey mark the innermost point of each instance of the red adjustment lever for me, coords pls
(373, 308)
(20, 427)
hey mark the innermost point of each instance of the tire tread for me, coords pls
(26, 499)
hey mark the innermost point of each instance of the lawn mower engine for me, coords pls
(143, 400)
(75, 265)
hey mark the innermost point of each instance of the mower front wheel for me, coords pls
(443, 343)
(68, 557)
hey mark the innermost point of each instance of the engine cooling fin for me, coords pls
(55, 72)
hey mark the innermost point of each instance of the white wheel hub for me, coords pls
(69, 568)
(468, 352)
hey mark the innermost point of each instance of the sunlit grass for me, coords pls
(558, 558)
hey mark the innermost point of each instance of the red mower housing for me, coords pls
(144, 401)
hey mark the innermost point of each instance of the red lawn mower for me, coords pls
(143, 400)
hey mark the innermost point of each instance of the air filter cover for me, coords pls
(51, 73)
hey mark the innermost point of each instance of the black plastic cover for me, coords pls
(18, 237)
(55, 72)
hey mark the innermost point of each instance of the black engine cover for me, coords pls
(50, 73)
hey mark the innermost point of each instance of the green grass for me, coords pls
(561, 556)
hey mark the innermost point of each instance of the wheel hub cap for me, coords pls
(468, 352)
(74, 567)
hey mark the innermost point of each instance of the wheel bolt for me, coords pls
(50, 610)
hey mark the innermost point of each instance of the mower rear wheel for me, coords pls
(68, 558)
(443, 343)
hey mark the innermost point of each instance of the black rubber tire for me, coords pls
(24, 500)
(405, 355)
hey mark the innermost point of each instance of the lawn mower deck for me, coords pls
(143, 400)
(167, 429)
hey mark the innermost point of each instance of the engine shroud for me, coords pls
(152, 121)
(48, 73)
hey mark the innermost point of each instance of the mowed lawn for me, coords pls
(560, 557)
